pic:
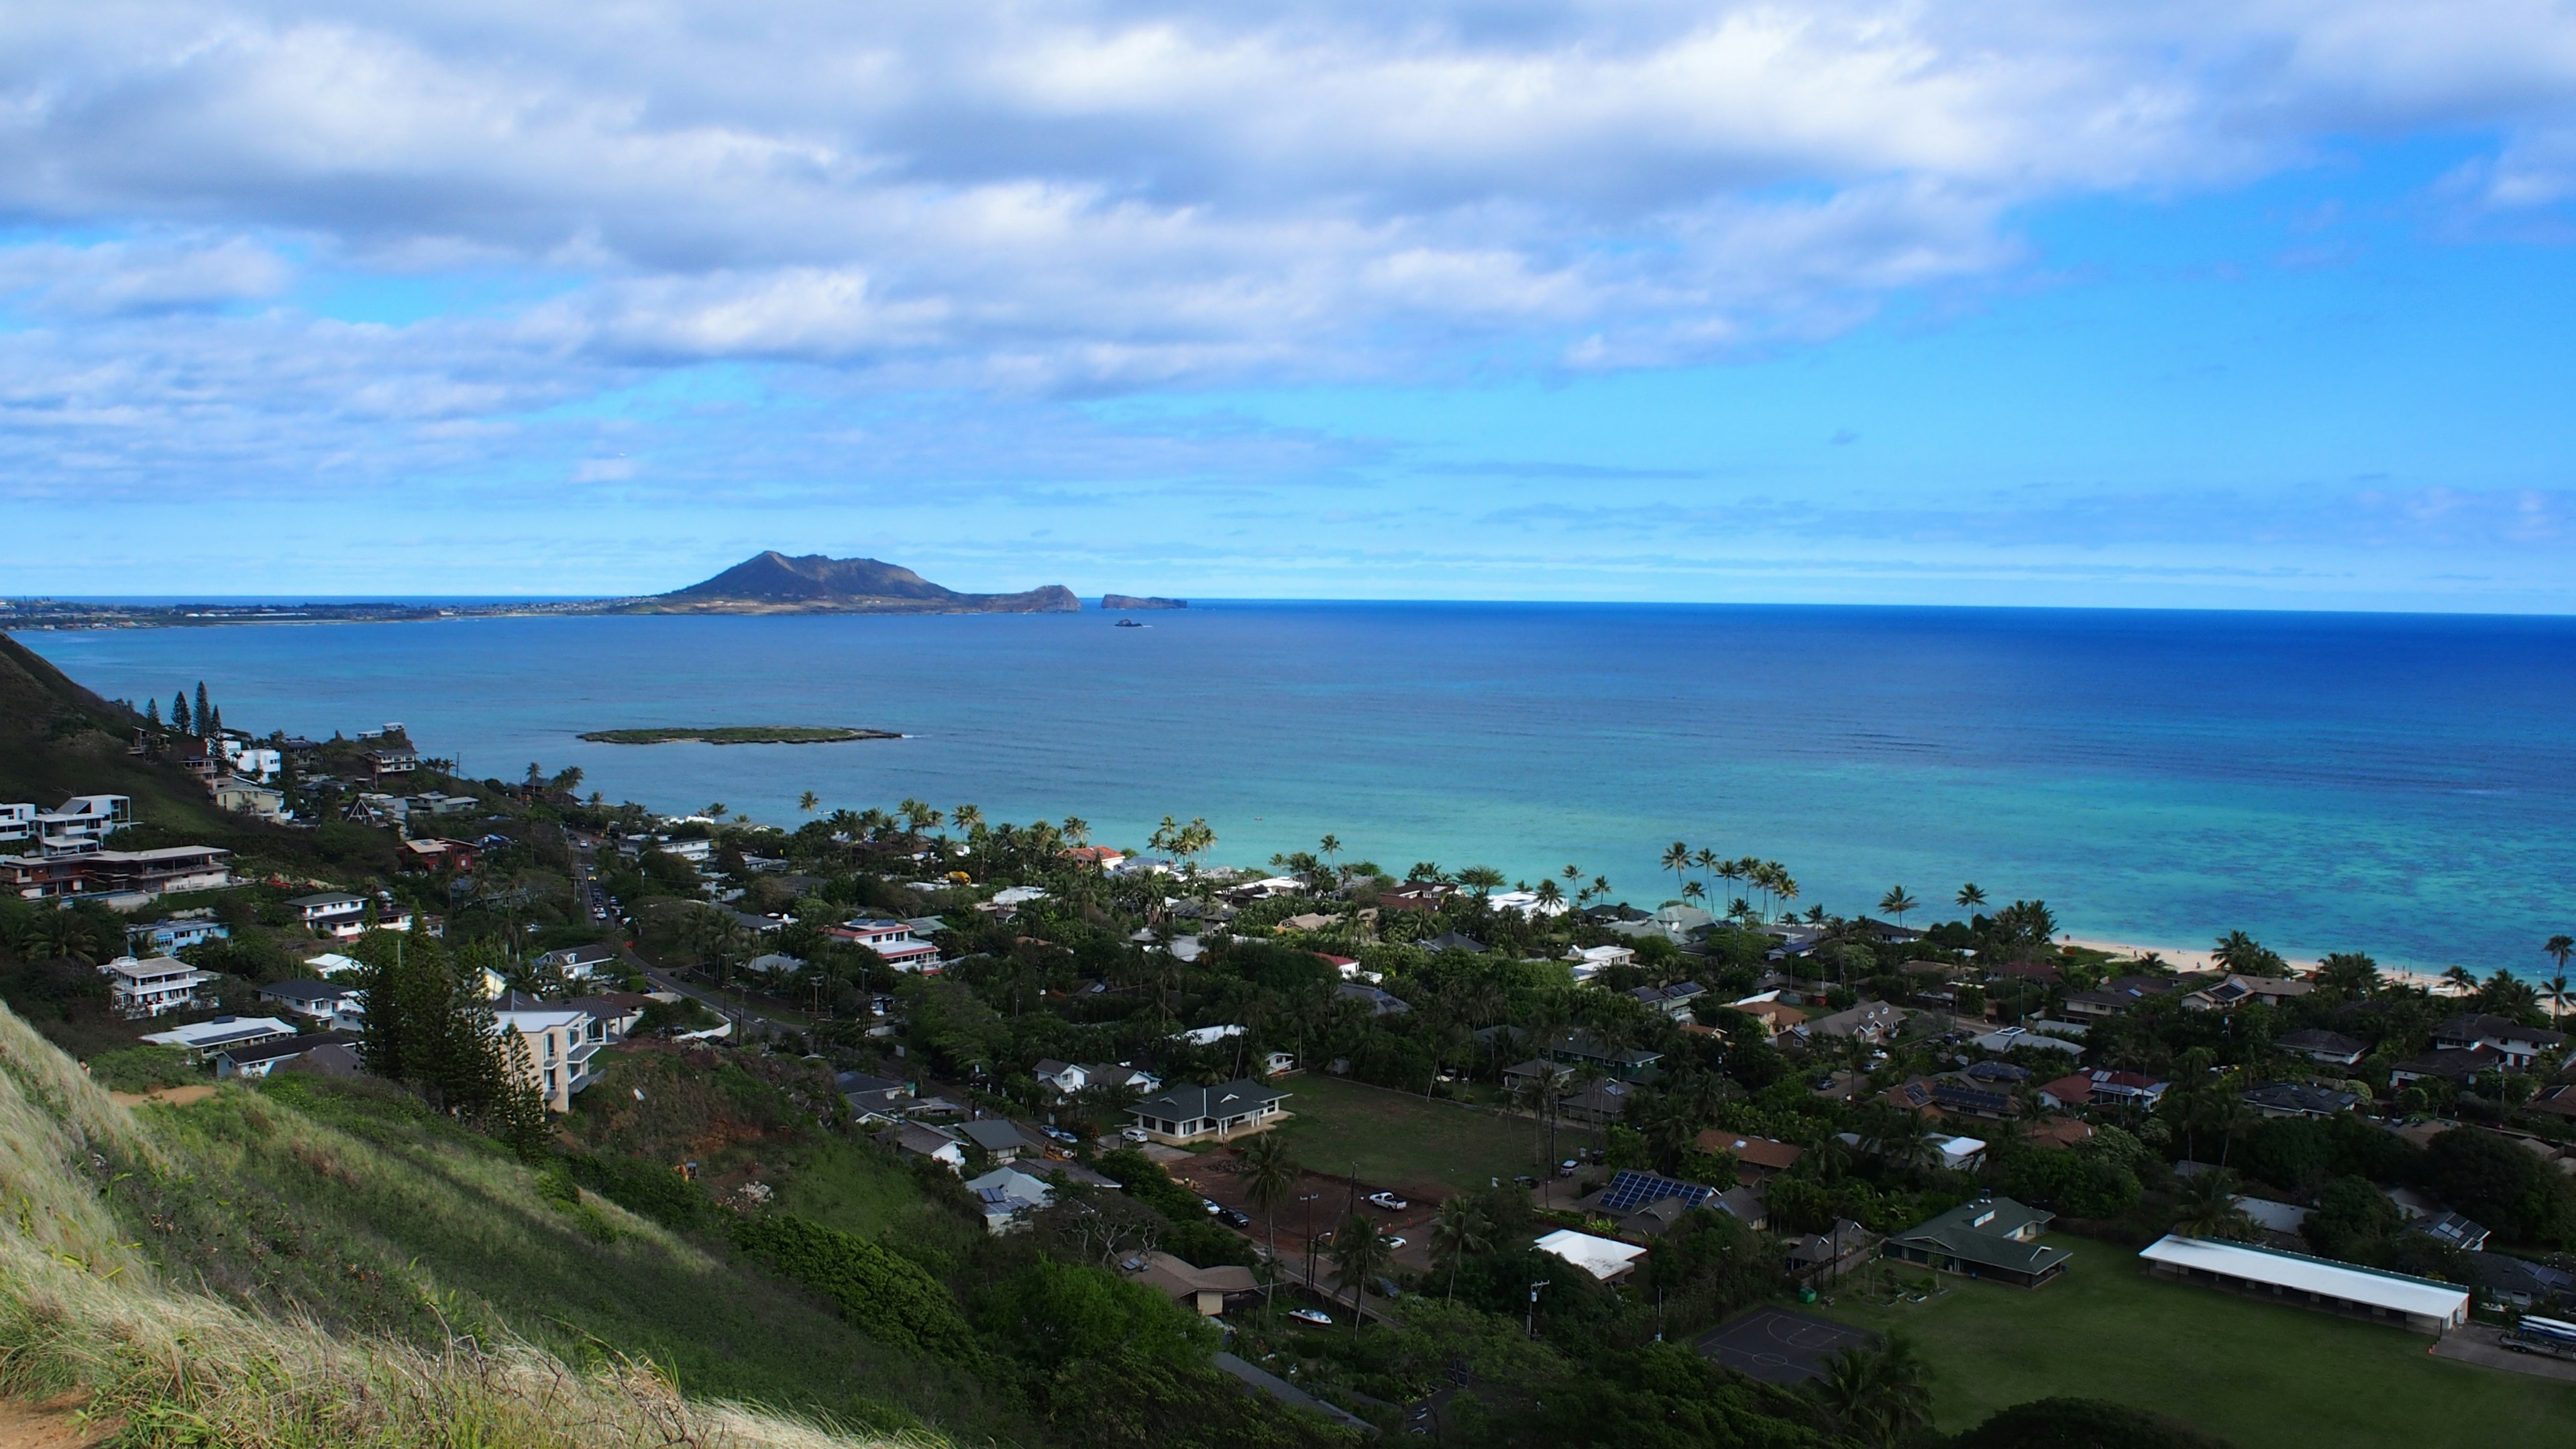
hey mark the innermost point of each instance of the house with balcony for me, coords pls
(82, 823)
(559, 1051)
(121, 878)
(153, 986)
(336, 914)
(318, 1000)
(173, 934)
(893, 941)
(248, 797)
(2519, 1045)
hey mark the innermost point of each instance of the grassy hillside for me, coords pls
(120, 1224)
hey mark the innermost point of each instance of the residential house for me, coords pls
(582, 963)
(2297, 1099)
(614, 1015)
(2036, 973)
(173, 934)
(2451, 1230)
(873, 1095)
(2519, 1045)
(153, 986)
(1094, 855)
(559, 1050)
(248, 797)
(893, 941)
(2056, 1132)
(1606, 1259)
(117, 875)
(1673, 1001)
(320, 1000)
(1207, 1036)
(202, 1038)
(1992, 1237)
(2103, 1087)
(1603, 1101)
(1960, 1094)
(1416, 895)
(1278, 1064)
(389, 760)
(330, 964)
(1819, 1258)
(79, 825)
(1008, 1196)
(2236, 991)
(435, 856)
(1193, 1113)
(1775, 1015)
(1118, 1076)
(1379, 1002)
(1204, 1291)
(1628, 1064)
(260, 1059)
(915, 1139)
(331, 1059)
(2015, 1036)
(2519, 1282)
(1757, 1159)
(2559, 1101)
(337, 914)
(774, 963)
(1522, 1077)
(1591, 961)
(998, 1138)
(1871, 1021)
(2329, 1048)
(1345, 967)
(2450, 1064)
(1062, 1078)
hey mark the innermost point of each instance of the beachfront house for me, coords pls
(2520, 1046)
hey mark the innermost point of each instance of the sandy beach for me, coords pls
(2183, 958)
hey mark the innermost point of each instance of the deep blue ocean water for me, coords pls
(2403, 785)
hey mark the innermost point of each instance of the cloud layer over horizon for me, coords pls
(632, 254)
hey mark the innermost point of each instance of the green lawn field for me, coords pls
(1399, 1139)
(2258, 1373)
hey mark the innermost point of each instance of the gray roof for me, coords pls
(1190, 1102)
(1978, 1232)
(310, 993)
(994, 1134)
(2298, 1097)
(2334, 1043)
(269, 1051)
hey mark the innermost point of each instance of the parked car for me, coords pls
(1386, 1200)
(1133, 1134)
(1060, 1135)
(1567, 1167)
(1233, 1219)
(1315, 1316)
(1214, 1208)
(1397, 1241)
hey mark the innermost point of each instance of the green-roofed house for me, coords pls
(1993, 1237)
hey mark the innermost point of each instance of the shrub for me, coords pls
(889, 1298)
(2083, 1424)
(140, 1069)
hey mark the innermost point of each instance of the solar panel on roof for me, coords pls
(1631, 1190)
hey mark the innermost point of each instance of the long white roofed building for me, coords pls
(2294, 1278)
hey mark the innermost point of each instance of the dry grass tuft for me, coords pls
(84, 1314)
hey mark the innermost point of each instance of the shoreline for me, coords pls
(2186, 959)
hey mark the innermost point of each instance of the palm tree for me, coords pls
(1705, 860)
(968, 817)
(1077, 829)
(1483, 877)
(2207, 1207)
(1360, 1256)
(1730, 871)
(1970, 897)
(807, 801)
(1896, 903)
(2462, 978)
(2556, 990)
(1269, 1177)
(1549, 893)
(1677, 859)
(1879, 1396)
(1328, 847)
(2560, 948)
(1693, 892)
(1461, 1232)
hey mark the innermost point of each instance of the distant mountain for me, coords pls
(1131, 601)
(773, 583)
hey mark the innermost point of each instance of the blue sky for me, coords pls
(2258, 305)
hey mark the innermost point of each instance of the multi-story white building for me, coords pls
(559, 1048)
(336, 914)
(82, 823)
(154, 986)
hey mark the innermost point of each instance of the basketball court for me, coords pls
(1779, 1347)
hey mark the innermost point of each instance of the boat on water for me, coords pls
(1129, 624)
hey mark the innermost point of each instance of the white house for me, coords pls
(1007, 1196)
(1603, 1258)
(82, 823)
(1189, 1113)
(893, 941)
(336, 914)
(1590, 961)
(319, 1000)
(153, 986)
(248, 797)
(559, 1051)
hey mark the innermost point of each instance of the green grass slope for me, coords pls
(119, 1223)
(353, 1206)
(2255, 1373)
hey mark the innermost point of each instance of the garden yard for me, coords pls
(1399, 1139)
(2257, 1373)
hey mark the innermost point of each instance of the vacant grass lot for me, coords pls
(1400, 1139)
(2257, 1373)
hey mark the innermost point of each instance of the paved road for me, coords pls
(2478, 1343)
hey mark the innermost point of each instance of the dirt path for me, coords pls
(36, 1426)
(171, 1096)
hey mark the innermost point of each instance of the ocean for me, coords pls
(2402, 785)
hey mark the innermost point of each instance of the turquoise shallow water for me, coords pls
(2397, 784)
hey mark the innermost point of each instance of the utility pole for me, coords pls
(1530, 1324)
